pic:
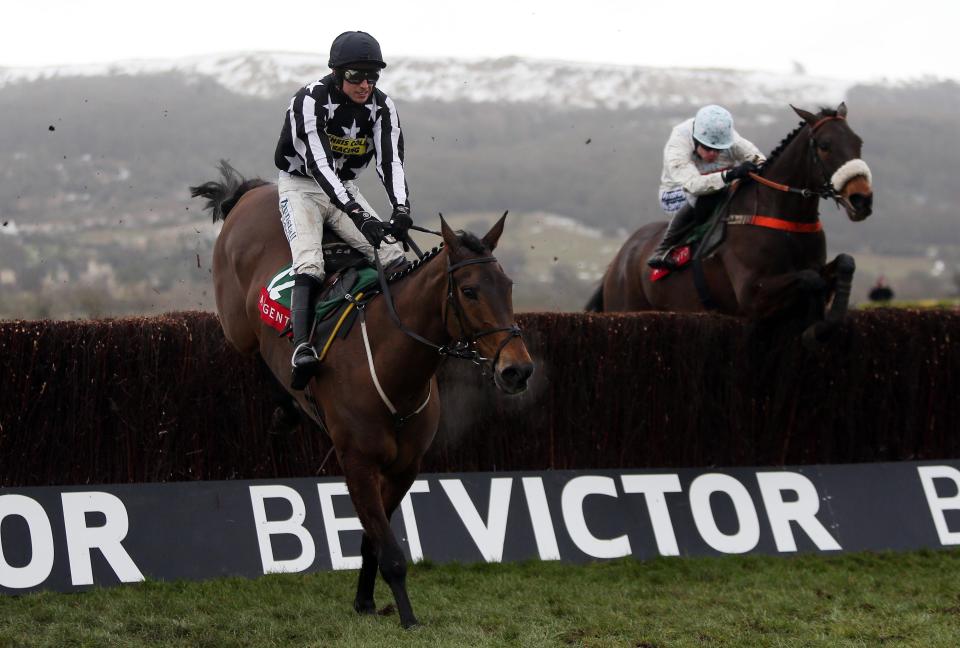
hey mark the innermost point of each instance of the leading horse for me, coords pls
(376, 394)
(773, 261)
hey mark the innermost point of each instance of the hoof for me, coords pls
(410, 623)
(846, 266)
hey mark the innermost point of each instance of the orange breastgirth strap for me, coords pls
(775, 223)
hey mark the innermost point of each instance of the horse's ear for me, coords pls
(490, 238)
(450, 239)
(808, 117)
(842, 109)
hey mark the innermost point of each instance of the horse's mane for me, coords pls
(222, 196)
(468, 240)
(416, 265)
(824, 112)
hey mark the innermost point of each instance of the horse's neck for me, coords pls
(419, 302)
(792, 167)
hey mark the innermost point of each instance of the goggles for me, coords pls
(359, 76)
(706, 148)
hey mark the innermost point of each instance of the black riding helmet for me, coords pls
(355, 48)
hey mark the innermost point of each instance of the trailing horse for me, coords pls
(773, 260)
(376, 393)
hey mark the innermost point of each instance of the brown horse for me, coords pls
(376, 393)
(773, 258)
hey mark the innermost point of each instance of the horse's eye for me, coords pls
(824, 146)
(469, 293)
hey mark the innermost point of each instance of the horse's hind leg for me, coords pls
(364, 482)
(286, 413)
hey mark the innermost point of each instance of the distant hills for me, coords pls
(95, 152)
(558, 84)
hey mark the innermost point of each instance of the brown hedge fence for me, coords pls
(165, 398)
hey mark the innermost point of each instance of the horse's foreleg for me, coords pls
(383, 550)
(392, 491)
(363, 602)
(838, 275)
(393, 488)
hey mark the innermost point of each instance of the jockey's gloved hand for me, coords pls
(401, 221)
(739, 171)
(369, 225)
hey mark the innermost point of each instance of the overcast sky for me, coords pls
(847, 39)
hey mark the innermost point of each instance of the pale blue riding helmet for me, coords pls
(713, 127)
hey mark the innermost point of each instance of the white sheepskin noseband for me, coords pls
(850, 170)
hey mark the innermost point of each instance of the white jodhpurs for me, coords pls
(304, 208)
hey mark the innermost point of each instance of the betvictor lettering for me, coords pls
(69, 538)
(789, 500)
(81, 539)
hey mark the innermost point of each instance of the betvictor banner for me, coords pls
(69, 538)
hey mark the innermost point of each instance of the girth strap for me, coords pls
(771, 222)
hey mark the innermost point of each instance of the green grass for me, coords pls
(917, 304)
(907, 599)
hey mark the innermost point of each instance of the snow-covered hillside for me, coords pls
(514, 80)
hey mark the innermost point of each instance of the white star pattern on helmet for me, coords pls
(331, 107)
(294, 163)
(352, 131)
(373, 108)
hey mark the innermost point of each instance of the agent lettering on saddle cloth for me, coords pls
(333, 128)
(702, 157)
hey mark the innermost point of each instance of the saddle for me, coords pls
(700, 241)
(348, 274)
(337, 255)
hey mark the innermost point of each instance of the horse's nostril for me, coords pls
(517, 374)
(861, 201)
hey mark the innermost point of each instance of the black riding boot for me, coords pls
(682, 220)
(305, 362)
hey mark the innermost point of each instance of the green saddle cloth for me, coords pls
(280, 288)
(704, 238)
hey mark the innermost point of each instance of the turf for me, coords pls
(887, 599)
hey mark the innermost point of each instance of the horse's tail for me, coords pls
(595, 303)
(222, 196)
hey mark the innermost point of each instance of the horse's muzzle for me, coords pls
(512, 379)
(862, 204)
(857, 198)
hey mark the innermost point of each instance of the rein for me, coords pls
(824, 192)
(461, 347)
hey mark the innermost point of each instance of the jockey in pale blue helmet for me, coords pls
(713, 127)
(702, 157)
